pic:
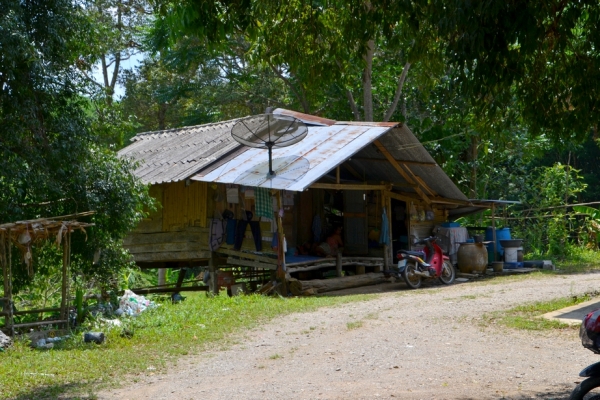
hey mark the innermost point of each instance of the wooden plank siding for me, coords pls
(177, 230)
(423, 229)
(184, 205)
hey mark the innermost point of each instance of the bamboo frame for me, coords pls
(45, 229)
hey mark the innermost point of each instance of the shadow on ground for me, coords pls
(387, 287)
(69, 391)
(550, 395)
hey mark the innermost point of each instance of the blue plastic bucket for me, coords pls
(501, 234)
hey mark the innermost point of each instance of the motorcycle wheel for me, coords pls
(448, 274)
(412, 280)
(583, 391)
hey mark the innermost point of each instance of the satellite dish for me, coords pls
(268, 131)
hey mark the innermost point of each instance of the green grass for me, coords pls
(579, 261)
(354, 325)
(160, 336)
(527, 316)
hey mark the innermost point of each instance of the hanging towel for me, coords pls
(384, 237)
(230, 228)
(263, 204)
(232, 195)
(217, 231)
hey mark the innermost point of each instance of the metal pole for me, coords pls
(271, 173)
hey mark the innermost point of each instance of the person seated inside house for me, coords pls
(332, 245)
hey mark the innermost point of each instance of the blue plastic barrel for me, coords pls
(501, 234)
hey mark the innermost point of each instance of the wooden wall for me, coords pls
(177, 230)
(184, 205)
(423, 229)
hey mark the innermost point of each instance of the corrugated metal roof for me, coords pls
(324, 147)
(306, 118)
(208, 153)
(176, 154)
(414, 158)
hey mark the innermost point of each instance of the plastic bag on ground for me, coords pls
(133, 304)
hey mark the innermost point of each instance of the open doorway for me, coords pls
(400, 228)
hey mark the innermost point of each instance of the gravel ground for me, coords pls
(409, 344)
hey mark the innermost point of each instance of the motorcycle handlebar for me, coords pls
(430, 239)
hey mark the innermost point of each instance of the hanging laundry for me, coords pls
(263, 203)
(384, 237)
(232, 195)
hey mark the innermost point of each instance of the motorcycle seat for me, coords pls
(412, 253)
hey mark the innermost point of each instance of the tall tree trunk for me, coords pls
(367, 81)
(162, 116)
(392, 109)
(300, 94)
(353, 105)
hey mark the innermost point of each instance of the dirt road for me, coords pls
(426, 344)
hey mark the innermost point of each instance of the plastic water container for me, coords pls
(511, 254)
(501, 234)
(513, 265)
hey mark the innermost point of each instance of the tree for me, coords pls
(546, 54)
(312, 46)
(50, 161)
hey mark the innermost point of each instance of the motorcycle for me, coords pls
(415, 266)
(590, 339)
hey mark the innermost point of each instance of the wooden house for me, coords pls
(341, 174)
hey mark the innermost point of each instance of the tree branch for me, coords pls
(394, 104)
(353, 105)
(367, 81)
(305, 106)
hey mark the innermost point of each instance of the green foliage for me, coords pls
(544, 53)
(547, 224)
(43, 289)
(590, 226)
(317, 50)
(50, 158)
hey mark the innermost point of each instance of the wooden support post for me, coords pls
(338, 264)
(495, 256)
(212, 270)
(3, 260)
(64, 307)
(180, 278)
(9, 304)
(390, 255)
(386, 264)
(280, 272)
(337, 175)
(162, 276)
